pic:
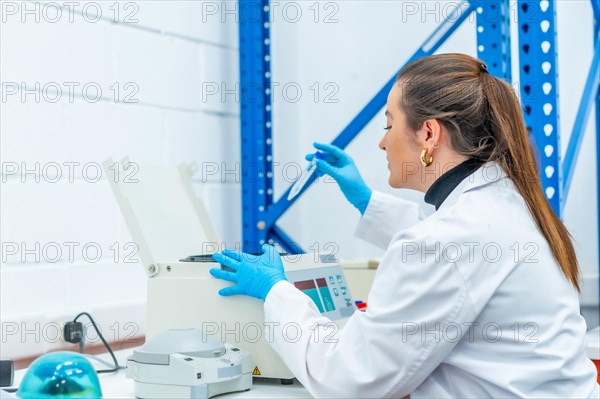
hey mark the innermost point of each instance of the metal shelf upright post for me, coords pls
(493, 38)
(255, 115)
(539, 90)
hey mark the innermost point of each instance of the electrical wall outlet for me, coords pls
(73, 332)
(7, 373)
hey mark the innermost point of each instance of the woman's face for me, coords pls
(400, 145)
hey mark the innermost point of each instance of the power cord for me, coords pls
(100, 360)
(73, 332)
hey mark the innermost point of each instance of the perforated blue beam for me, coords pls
(434, 41)
(285, 241)
(539, 90)
(255, 115)
(493, 37)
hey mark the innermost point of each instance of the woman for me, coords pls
(480, 299)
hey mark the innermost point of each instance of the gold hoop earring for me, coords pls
(426, 162)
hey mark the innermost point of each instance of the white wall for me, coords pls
(345, 51)
(581, 209)
(165, 57)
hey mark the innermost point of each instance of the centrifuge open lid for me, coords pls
(165, 218)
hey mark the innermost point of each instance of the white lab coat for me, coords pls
(498, 319)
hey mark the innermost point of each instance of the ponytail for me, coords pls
(513, 152)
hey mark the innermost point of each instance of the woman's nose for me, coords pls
(382, 143)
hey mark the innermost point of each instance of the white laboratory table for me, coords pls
(115, 385)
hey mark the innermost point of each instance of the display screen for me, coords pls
(319, 292)
(327, 288)
(325, 295)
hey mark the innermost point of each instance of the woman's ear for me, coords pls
(430, 134)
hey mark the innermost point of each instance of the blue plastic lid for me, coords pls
(60, 374)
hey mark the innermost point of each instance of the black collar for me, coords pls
(446, 183)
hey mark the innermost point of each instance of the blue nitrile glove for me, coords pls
(254, 275)
(337, 164)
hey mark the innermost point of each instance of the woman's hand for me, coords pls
(337, 164)
(254, 275)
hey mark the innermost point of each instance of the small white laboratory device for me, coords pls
(188, 364)
(170, 225)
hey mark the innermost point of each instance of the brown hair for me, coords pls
(484, 120)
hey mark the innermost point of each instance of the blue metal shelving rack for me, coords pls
(539, 93)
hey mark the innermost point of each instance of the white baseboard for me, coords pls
(37, 333)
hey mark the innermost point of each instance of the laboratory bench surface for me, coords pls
(116, 385)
